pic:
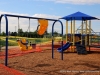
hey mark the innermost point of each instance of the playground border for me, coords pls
(9, 71)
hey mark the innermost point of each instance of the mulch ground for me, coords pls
(41, 63)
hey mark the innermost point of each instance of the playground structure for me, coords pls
(71, 39)
(85, 34)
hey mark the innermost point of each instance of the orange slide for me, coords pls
(43, 26)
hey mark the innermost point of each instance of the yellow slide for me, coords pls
(43, 26)
(23, 44)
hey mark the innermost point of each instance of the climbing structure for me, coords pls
(85, 28)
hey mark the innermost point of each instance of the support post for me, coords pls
(82, 33)
(86, 33)
(73, 35)
(0, 34)
(18, 27)
(66, 31)
(53, 39)
(6, 52)
(89, 32)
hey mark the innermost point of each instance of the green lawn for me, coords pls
(12, 40)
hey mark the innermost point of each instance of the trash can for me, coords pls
(33, 46)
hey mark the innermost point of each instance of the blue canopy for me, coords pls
(78, 16)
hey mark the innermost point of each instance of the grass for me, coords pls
(12, 40)
(10, 43)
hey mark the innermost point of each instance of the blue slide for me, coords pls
(66, 46)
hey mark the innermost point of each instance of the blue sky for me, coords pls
(49, 9)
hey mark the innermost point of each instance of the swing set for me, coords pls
(41, 28)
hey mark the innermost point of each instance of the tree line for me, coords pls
(34, 34)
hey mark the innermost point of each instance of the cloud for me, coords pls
(75, 1)
(46, 16)
(3, 12)
(98, 17)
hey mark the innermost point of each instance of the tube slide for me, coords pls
(43, 26)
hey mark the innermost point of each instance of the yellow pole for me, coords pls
(66, 31)
(73, 35)
(89, 31)
(81, 32)
(86, 33)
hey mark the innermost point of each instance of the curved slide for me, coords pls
(43, 26)
(66, 46)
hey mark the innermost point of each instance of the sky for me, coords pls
(53, 9)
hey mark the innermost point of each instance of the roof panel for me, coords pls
(78, 16)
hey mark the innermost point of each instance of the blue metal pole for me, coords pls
(0, 32)
(62, 40)
(53, 39)
(52, 48)
(6, 53)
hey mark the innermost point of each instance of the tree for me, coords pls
(13, 33)
(3, 34)
(56, 33)
(20, 32)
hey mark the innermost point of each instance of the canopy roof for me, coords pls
(78, 16)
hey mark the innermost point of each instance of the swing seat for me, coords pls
(42, 27)
(23, 44)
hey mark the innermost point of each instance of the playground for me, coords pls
(76, 54)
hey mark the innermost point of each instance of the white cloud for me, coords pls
(98, 17)
(75, 1)
(3, 12)
(46, 16)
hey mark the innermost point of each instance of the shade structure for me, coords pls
(78, 16)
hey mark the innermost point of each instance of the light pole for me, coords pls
(15, 32)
